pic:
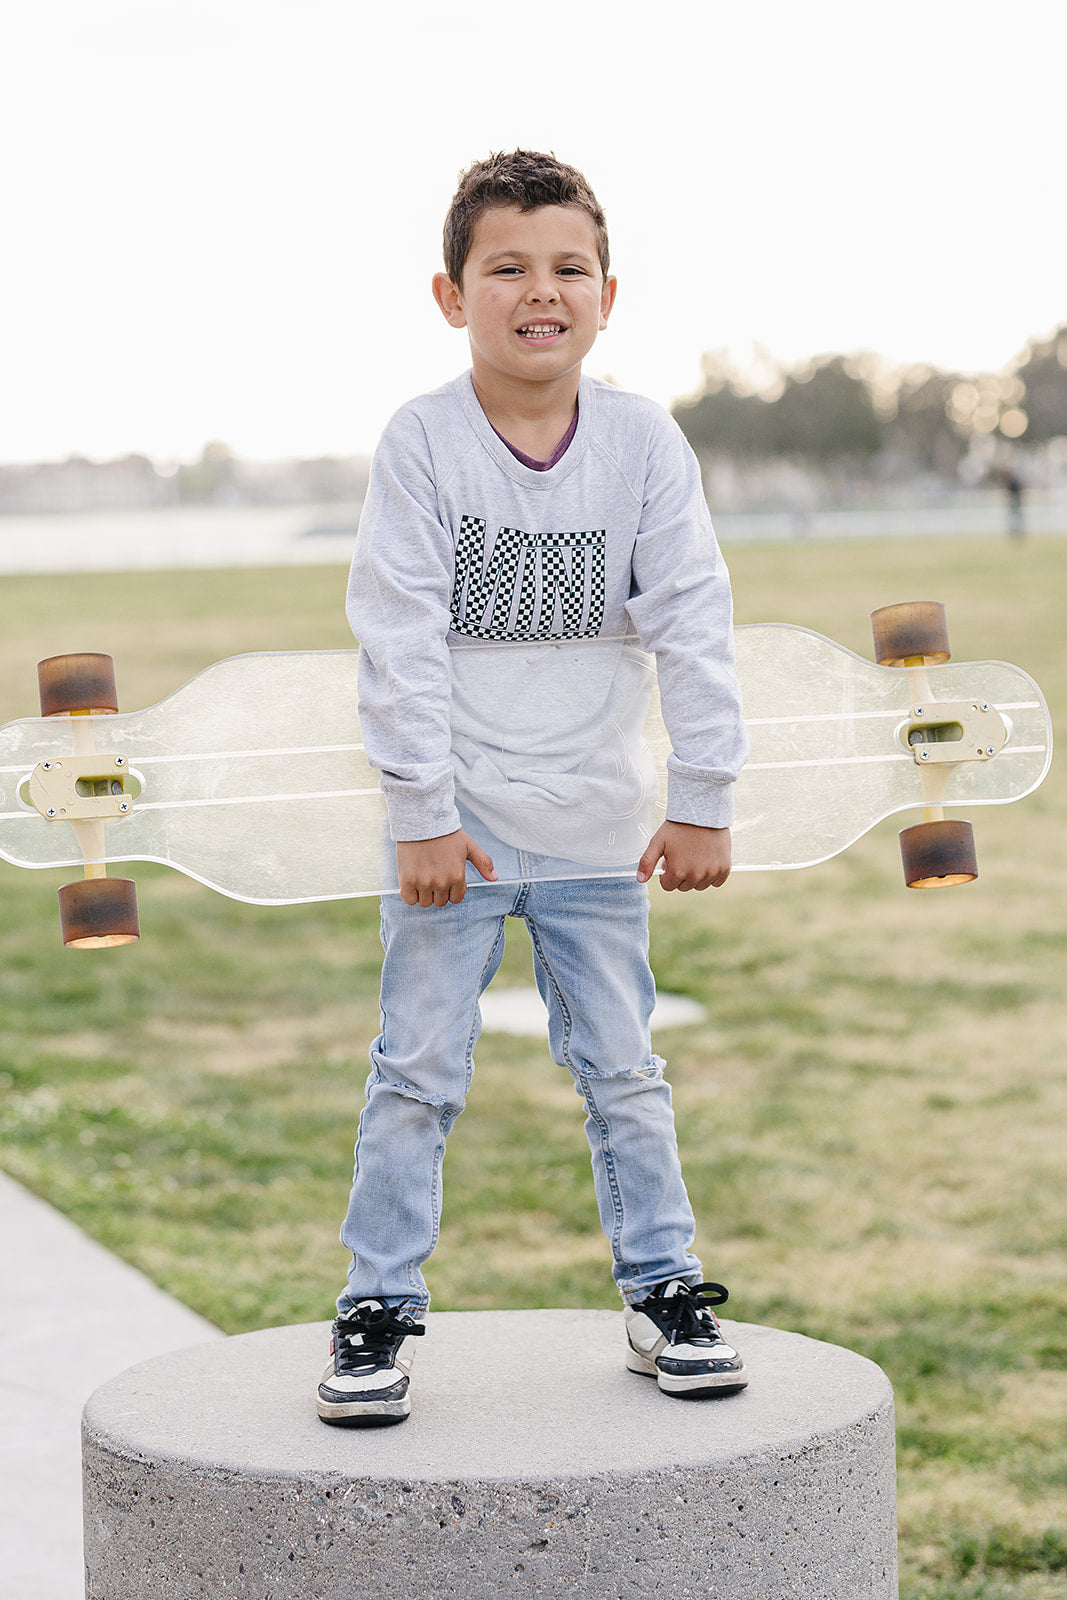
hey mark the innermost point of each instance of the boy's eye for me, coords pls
(510, 270)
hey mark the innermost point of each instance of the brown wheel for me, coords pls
(77, 683)
(909, 633)
(96, 913)
(936, 854)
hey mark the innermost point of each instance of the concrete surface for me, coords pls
(71, 1316)
(533, 1465)
(522, 1011)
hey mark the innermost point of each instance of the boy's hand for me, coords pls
(693, 858)
(432, 872)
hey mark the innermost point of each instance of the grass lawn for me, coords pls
(871, 1118)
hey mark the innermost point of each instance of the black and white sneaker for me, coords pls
(366, 1383)
(673, 1335)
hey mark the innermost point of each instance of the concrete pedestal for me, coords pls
(533, 1465)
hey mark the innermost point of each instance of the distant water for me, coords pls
(258, 536)
(186, 536)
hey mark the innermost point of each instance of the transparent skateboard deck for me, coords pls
(252, 778)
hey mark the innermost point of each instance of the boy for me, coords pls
(467, 579)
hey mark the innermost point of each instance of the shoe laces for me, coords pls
(683, 1310)
(368, 1334)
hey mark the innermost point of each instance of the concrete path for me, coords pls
(522, 1011)
(71, 1317)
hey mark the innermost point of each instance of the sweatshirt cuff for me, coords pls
(704, 802)
(420, 816)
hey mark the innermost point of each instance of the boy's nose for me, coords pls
(543, 293)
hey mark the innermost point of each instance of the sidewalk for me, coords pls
(71, 1316)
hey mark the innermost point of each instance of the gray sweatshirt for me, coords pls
(508, 620)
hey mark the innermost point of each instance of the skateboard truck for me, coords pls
(86, 789)
(949, 731)
(936, 852)
(81, 789)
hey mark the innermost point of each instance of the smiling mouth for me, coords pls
(540, 330)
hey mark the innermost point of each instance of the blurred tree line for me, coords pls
(857, 417)
(221, 477)
(216, 477)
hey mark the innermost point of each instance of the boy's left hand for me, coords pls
(693, 857)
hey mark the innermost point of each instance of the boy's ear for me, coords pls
(450, 300)
(607, 300)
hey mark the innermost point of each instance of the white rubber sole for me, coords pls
(363, 1413)
(694, 1384)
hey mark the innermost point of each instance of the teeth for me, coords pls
(541, 330)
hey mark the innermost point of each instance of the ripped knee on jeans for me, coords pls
(650, 1071)
(409, 1091)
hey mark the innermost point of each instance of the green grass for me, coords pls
(870, 1119)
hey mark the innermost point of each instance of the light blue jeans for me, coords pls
(590, 949)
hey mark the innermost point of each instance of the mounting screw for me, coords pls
(51, 812)
(924, 755)
(124, 805)
(46, 766)
(990, 750)
(120, 761)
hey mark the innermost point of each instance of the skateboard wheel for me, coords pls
(77, 683)
(937, 854)
(97, 913)
(911, 632)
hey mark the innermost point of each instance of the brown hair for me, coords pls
(523, 178)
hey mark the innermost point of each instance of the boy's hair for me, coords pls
(523, 178)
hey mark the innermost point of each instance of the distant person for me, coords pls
(521, 505)
(1015, 488)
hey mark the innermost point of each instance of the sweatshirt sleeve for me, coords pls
(682, 608)
(398, 607)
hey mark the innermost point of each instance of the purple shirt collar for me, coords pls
(557, 455)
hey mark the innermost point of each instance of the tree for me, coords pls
(822, 413)
(1042, 369)
(825, 413)
(920, 431)
(211, 476)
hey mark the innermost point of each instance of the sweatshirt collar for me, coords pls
(502, 456)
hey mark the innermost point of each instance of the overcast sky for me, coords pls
(222, 216)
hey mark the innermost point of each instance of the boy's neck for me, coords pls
(543, 463)
(534, 418)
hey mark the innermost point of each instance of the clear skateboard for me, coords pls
(252, 778)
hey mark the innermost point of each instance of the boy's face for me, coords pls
(533, 296)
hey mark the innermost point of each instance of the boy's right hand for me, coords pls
(433, 872)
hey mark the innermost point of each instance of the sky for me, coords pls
(222, 216)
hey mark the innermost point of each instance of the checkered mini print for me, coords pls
(483, 595)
